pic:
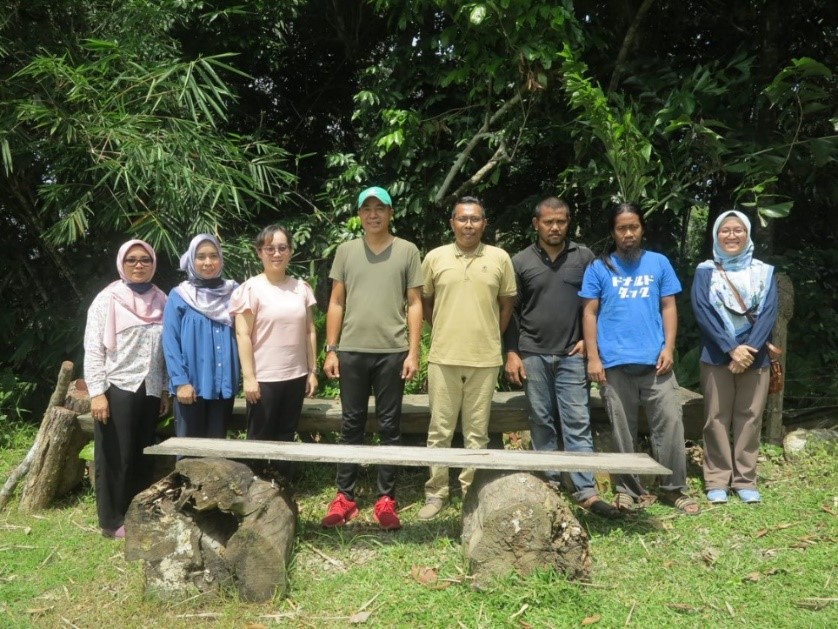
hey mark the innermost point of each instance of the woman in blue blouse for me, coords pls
(734, 298)
(199, 343)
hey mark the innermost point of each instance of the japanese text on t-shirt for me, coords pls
(633, 287)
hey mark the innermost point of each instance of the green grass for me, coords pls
(732, 566)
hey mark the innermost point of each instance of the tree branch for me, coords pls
(628, 43)
(466, 153)
(500, 156)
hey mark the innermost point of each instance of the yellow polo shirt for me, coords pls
(465, 288)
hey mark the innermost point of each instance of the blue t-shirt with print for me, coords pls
(629, 325)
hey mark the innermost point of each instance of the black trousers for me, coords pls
(203, 418)
(122, 470)
(360, 373)
(276, 415)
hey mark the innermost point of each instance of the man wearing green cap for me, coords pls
(372, 345)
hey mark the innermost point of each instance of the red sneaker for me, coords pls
(341, 510)
(385, 514)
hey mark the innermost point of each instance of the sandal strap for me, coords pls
(686, 504)
(624, 502)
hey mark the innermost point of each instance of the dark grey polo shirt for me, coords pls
(548, 310)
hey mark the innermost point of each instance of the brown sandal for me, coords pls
(627, 502)
(599, 507)
(684, 503)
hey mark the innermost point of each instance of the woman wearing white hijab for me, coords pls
(199, 343)
(734, 298)
(125, 375)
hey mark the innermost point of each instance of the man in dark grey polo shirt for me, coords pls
(545, 351)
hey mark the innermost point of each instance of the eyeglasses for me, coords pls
(271, 249)
(469, 219)
(136, 261)
(736, 231)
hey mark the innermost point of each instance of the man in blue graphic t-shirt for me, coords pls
(629, 324)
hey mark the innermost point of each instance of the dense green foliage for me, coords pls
(158, 119)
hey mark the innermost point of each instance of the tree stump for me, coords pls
(78, 398)
(515, 521)
(209, 525)
(45, 480)
(36, 452)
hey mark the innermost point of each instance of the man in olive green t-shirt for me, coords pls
(372, 343)
(468, 294)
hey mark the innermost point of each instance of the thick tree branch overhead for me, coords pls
(482, 133)
(628, 44)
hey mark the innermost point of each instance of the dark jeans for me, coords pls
(203, 418)
(558, 396)
(122, 470)
(361, 372)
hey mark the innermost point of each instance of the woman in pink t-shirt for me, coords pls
(277, 340)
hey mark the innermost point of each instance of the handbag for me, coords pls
(776, 378)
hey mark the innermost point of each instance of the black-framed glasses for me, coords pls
(137, 261)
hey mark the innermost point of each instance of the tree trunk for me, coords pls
(77, 398)
(212, 524)
(774, 404)
(515, 521)
(55, 438)
(58, 394)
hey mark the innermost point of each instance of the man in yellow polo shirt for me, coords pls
(468, 295)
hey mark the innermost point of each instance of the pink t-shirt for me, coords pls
(279, 334)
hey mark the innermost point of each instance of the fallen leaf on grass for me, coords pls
(710, 556)
(592, 620)
(753, 577)
(761, 533)
(429, 577)
(424, 575)
(816, 604)
(255, 625)
(805, 542)
(683, 608)
(359, 618)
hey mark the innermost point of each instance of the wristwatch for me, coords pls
(331, 348)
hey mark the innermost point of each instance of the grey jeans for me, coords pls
(628, 388)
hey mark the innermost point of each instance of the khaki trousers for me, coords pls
(453, 390)
(733, 405)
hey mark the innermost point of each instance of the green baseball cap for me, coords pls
(379, 193)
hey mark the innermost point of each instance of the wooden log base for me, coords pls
(210, 525)
(413, 456)
(517, 522)
(509, 413)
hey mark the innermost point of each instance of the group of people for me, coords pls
(560, 316)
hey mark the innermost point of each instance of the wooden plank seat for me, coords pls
(416, 456)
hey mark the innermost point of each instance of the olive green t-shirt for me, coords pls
(466, 314)
(374, 316)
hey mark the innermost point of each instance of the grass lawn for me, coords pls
(768, 565)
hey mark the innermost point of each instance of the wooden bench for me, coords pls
(509, 414)
(416, 456)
